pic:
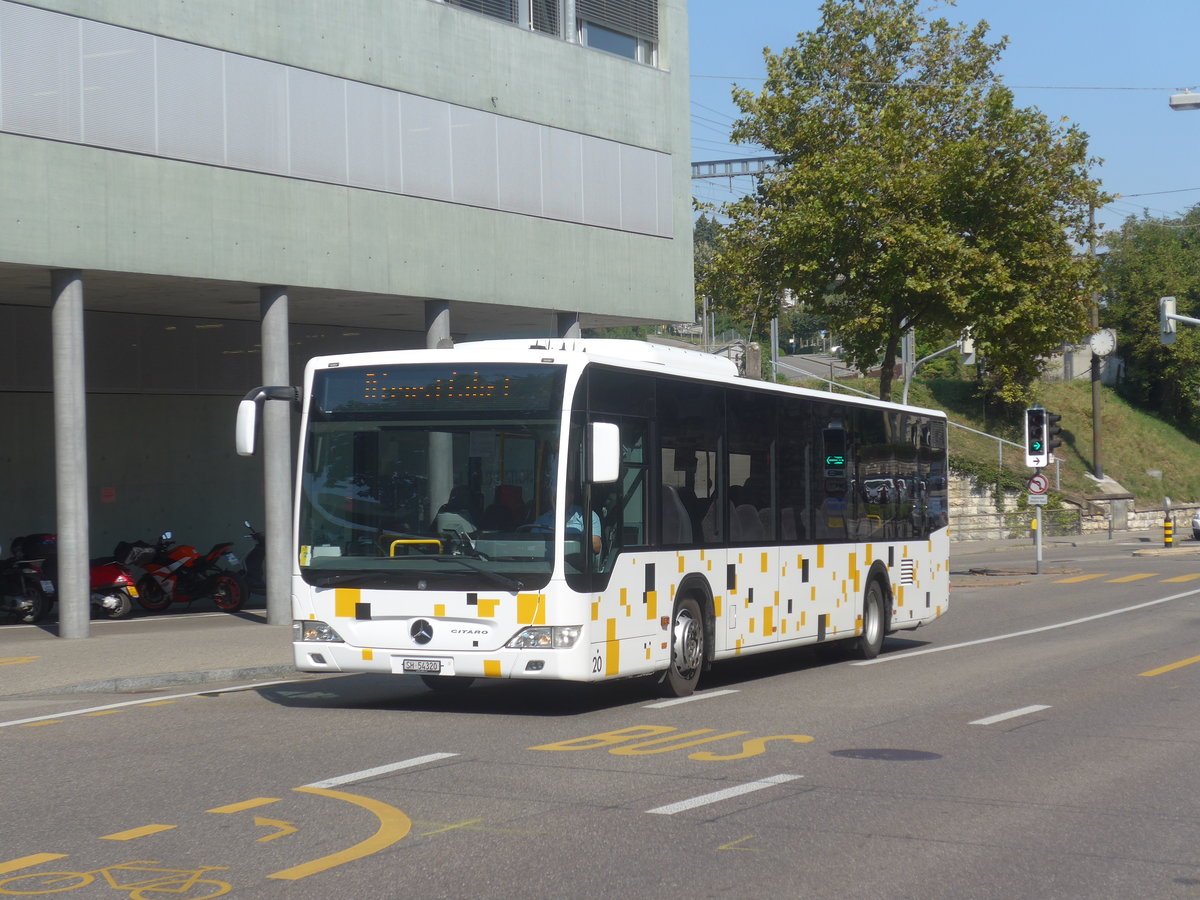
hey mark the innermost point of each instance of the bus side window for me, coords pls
(622, 505)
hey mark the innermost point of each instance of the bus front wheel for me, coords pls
(687, 649)
(874, 622)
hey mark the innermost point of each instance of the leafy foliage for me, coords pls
(911, 193)
(1149, 258)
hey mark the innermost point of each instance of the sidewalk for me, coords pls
(156, 651)
(144, 653)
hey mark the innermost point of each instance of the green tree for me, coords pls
(911, 193)
(1150, 258)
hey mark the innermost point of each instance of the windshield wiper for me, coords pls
(326, 579)
(503, 580)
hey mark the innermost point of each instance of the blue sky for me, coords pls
(1122, 59)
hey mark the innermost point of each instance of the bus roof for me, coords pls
(616, 351)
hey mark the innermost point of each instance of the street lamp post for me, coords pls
(1185, 100)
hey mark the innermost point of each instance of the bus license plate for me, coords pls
(424, 666)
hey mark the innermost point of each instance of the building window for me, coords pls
(600, 38)
(497, 9)
(627, 28)
(537, 15)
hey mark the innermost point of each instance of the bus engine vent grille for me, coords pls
(908, 571)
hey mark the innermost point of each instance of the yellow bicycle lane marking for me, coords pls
(26, 862)
(393, 826)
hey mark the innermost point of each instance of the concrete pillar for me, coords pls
(70, 452)
(567, 325)
(277, 457)
(437, 325)
(441, 443)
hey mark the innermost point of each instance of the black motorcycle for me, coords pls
(256, 576)
(25, 591)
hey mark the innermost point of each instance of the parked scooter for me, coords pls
(25, 591)
(256, 578)
(110, 584)
(181, 574)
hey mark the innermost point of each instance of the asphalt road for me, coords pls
(1041, 740)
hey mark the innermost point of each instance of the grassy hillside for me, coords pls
(1133, 442)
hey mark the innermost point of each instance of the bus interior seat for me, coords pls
(507, 510)
(745, 525)
(676, 523)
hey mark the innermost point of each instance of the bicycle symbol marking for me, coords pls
(144, 879)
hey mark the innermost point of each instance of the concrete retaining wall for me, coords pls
(974, 516)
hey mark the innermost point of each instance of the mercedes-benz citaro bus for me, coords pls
(585, 510)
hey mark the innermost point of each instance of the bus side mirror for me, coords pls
(247, 425)
(606, 452)
(247, 414)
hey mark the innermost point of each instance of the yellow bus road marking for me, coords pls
(469, 825)
(47, 720)
(1181, 578)
(1125, 579)
(733, 845)
(25, 862)
(135, 833)
(245, 805)
(453, 827)
(393, 826)
(1075, 579)
(17, 660)
(103, 712)
(1171, 667)
(284, 828)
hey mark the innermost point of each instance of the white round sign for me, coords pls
(1038, 484)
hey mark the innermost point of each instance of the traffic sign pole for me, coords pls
(1036, 498)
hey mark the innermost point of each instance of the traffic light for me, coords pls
(1036, 453)
(1053, 430)
(1166, 324)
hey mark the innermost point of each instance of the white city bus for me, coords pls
(592, 509)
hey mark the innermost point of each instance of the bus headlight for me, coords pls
(546, 637)
(310, 631)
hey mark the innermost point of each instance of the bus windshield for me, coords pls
(431, 476)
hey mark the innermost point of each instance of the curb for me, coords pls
(165, 679)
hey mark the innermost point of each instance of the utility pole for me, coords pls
(1097, 458)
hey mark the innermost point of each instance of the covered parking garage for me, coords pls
(150, 274)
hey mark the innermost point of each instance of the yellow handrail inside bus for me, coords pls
(392, 551)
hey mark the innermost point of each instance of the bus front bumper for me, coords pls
(569, 665)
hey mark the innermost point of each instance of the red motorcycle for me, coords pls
(110, 583)
(181, 574)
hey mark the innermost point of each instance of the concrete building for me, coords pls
(196, 197)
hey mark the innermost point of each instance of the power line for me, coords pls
(1021, 87)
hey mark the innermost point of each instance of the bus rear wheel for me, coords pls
(874, 623)
(687, 649)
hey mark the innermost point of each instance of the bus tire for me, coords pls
(874, 622)
(687, 649)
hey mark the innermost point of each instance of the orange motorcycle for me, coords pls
(179, 573)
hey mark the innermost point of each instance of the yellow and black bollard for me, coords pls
(1168, 532)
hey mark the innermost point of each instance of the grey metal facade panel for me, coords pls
(107, 89)
(39, 73)
(190, 102)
